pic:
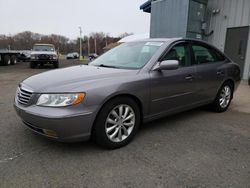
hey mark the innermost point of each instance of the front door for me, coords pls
(172, 90)
(236, 45)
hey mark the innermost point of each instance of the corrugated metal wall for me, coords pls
(166, 21)
(233, 13)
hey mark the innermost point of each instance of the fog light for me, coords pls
(50, 133)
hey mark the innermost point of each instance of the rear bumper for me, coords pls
(65, 128)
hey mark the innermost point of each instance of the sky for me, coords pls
(65, 16)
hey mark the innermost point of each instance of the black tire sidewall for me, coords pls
(56, 64)
(99, 132)
(13, 60)
(32, 65)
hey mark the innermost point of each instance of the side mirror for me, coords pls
(167, 65)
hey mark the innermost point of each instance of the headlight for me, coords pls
(60, 100)
(54, 56)
(32, 57)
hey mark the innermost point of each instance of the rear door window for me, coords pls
(202, 54)
(205, 54)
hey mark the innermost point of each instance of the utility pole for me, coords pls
(95, 46)
(81, 57)
(88, 47)
(106, 40)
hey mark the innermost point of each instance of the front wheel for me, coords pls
(56, 64)
(223, 98)
(117, 123)
(32, 65)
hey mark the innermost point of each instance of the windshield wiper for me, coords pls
(107, 66)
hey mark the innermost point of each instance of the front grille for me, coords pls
(23, 96)
(44, 57)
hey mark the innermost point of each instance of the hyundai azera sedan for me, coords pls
(133, 83)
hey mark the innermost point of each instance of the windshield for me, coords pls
(43, 48)
(128, 55)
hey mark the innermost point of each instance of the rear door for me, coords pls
(210, 70)
(173, 90)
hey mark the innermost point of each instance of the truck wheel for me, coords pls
(32, 65)
(6, 60)
(13, 60)
(56, 64)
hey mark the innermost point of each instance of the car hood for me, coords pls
(42, 52)
(73, 79)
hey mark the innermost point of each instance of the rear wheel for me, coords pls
(13, 60)
(223, 98)
(6, 60)
(117, 123)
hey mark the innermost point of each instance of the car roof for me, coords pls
(168, 40)
(157, 40)
(172, 40)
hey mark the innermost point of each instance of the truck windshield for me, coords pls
(133, 55)
(43, 48)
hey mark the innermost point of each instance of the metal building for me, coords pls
(224, 23)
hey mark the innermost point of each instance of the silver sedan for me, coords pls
(133, 83)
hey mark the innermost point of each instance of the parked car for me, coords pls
(24, 55)
(44, 54)
(92, 56)
(133, 83)
(73, 55)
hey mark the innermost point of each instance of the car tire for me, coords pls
(6, 60)
(56, 64)
(32, 65)
(223, 98)
(114, 128)
(13, 60)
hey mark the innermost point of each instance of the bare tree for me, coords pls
(25, 41)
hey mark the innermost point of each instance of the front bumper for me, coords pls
(43, 60)
(56, 123)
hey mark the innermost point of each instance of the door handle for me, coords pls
(189, 78)
(220, 73)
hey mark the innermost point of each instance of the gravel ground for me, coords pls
(193, 149)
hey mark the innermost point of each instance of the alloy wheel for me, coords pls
(120, 123)
(225, 96)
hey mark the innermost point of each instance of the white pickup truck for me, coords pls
(44, 54)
